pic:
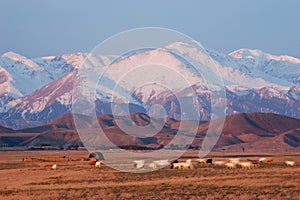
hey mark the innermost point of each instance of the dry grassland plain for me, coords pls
(79, 180)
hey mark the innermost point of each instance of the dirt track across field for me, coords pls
(79, 180)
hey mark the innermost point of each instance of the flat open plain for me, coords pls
(80, 180)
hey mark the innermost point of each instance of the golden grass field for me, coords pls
(80, 180)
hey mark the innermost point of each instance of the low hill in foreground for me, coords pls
(253, 132)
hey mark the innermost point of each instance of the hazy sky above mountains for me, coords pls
(38, 28)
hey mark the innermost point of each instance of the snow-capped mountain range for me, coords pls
(36, 91)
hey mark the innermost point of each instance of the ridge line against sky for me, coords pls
(36, 28)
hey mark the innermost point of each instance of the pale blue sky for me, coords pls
(38, 28)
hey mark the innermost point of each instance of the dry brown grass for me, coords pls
(79, 180)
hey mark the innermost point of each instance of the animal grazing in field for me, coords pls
(261, 159)
(254, 162)
(162, 163)
(201, 161)
(289, 163)
(183, 165)
(176, 165)
(159, 163)
(230, 165)
(98, 164)
(219, 163)
(209, 161)
(139, 164)
(172, 162)
(234, 160)
(204, 161)
(153, 165)
(187, 166)
(246, 165)
(54, 167)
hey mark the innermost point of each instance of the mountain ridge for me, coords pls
(254, 82)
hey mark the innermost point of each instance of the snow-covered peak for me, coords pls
(26, 75)
(278, 70)
(12, 55)
(183, 45)
(14, 58)
(158, 66)
(258, 54)
(74, 59)
(246, 53)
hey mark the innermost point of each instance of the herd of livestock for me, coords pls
(230, 163)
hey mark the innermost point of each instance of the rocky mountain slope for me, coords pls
(253, 132)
